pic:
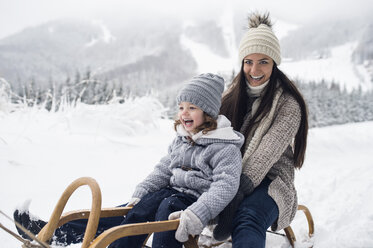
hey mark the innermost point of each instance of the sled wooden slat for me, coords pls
(128, 230)
(84, 214)
(114, 233)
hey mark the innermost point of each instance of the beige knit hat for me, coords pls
(260, 39)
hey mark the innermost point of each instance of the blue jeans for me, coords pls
(257, 212)
(154, 206)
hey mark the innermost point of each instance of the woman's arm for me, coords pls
(273, 144)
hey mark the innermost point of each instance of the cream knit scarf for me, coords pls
(257, 132)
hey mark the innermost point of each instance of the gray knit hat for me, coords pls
(205, 92)
(260, 39)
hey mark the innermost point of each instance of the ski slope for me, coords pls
(338, 67)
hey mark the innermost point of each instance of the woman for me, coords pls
(267, 108)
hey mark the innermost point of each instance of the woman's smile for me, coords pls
(257, 68)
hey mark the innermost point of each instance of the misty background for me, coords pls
(96, 52)
(87, 88)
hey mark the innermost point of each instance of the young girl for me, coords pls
(194, 182)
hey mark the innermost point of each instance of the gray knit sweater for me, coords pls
(273, 157)
(211, 169)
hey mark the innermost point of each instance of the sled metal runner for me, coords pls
(107, 237)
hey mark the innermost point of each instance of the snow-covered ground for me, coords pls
(41, 153)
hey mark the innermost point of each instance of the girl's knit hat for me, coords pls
(205, 92)
(260, 39)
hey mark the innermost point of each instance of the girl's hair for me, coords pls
(208, 125)
(235, 101)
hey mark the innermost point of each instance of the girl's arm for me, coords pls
(226, 175)
(158, 178)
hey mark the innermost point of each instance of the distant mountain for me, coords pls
(159, 54)
(55, 49)
(137, 54)
(364, 50)
(336, 50)
(316, 39)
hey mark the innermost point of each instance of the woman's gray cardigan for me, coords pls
(273, 157)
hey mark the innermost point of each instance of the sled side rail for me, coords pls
(103, 240)
(311, 229)
(290, 235)
(149, 227)
(47, 231)
(114, 233)
(307, 213)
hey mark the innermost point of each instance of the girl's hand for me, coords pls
(190, 224)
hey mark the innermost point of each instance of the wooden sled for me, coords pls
(107, 237)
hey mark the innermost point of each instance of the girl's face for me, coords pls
(257, 68)
(190, 116)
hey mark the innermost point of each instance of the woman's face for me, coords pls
(257, 68)
(190, 116)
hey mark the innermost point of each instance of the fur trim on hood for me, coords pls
(224, 131)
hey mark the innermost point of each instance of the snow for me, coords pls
(282, 28)
(330, 69)
(206, 59)
(227, 25)
(106, 36)
(41, 153)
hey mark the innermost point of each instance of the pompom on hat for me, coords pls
(260, 39)
(205, 92)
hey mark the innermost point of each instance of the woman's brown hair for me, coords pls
(235, 101)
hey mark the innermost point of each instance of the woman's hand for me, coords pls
(223, 229)
(190, 224)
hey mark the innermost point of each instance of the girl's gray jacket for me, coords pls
(208, 167)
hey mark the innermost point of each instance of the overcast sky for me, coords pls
(16, 15)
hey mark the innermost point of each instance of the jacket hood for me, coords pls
(223, 133)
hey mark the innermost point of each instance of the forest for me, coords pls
(328, 103)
